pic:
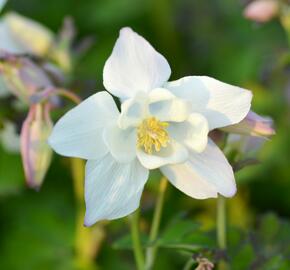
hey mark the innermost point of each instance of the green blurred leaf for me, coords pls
(184, 234)
(243, 258)
(269, 228)
(11, 173)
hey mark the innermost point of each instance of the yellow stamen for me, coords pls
(152, 133)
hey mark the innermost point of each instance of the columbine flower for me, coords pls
(161, 125)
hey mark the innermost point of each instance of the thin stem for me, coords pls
(221, 222)
(48, 92)
(152, 250)
(137, 247)
(68, 94)
(221, 229)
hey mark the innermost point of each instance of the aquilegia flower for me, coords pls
(161, 125)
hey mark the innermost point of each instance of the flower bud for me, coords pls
(22, 77)
(261, 10)
(31, 36)
(254, 125)
(35, 151)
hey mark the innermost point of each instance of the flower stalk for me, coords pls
(152, 249)
(51, 91)
(137, 246)
(221, 228)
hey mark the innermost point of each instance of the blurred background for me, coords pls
(43, 230)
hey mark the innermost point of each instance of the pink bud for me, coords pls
(35, 151)
(261, 10)
(254, 125)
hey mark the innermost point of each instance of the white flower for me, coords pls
(161, 125)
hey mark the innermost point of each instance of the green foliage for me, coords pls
(11, 173)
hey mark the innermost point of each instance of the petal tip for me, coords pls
(88, 222)
(126, 30)
(231, 193)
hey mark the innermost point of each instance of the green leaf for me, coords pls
(242, 260)
(185, 234)
(269, 228)
(125, 241)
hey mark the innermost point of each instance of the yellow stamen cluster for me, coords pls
(152, 133)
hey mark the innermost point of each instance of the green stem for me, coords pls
(137, 247)
(68, 94)
(221, 228)
(152, 249)
(44, 95)
(221, 222)
(189, 264)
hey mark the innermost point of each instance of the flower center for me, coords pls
(152, 133)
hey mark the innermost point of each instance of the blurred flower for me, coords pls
(204, 264)
(261, 10)
(161, 125)
(61, 51)
(26, 35)
(35, 151)
(9, 137)
(251, 134)
(245, 145)
(21, 35)
(254, 125)
(23, 77)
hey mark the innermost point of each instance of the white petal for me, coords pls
(186, 180)
(134, 66)
(173, 153)
(7, 43)
(222, 104)
(112, 190)
(121, 143)
(209, 169)
(133, 111)
(79, 133)
(166, 107)
(192, 133)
